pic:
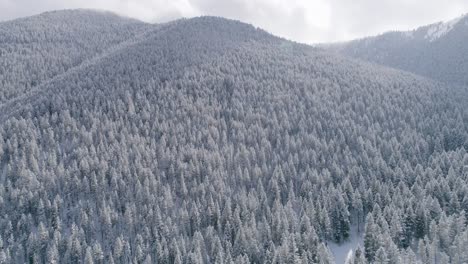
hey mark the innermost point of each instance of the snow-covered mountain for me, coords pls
(37, 48)
(207, 140)
(438, 30)
(438, 51)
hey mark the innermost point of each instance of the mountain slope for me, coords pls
(37, 48)
(210, 141)
(437, 51)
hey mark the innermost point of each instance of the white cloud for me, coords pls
(301, 20)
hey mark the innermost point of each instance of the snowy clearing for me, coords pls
(341, 251)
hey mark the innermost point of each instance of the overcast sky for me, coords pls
(308, 21)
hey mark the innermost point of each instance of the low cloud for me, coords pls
(308, 21)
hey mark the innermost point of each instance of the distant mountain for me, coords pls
(37, 48)
(437, 51)
(208, 140)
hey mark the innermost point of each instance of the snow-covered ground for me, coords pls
(342, 251)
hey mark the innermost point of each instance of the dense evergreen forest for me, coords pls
(207, 140)
(38, 48)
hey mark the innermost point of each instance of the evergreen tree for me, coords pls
(381, 256)
(359, 257)
(371, 244)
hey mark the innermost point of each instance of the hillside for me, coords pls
(437, 51)
(37, 48)
(207, 140)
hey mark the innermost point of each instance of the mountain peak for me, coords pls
(80, 14)
(435, 51)
(437, 30)
(219, 29)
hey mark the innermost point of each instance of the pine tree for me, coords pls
(422, 251)
(3, 257)
(324, 254)
(408, 227)
(52, 254)
(420, 223)
(359, 257)
(88, 258)
(118, 249)
(381, 256)
(370, 238)
(98, 253)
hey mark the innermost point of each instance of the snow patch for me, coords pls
(343, 252)
(349, 257)
(438, 30)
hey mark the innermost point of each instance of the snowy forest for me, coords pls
(437, 51)
(208, 140)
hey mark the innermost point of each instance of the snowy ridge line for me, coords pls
(13, 106)
(440, 29)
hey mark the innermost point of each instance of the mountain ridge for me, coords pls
(437, 51)
(16, 104)
(207, 140)
(56, 40)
